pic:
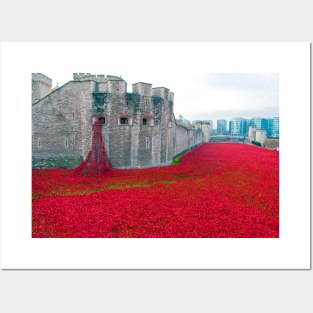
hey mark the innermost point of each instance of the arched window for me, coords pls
(170, 124)
(102, 119)
(148, 121)
(124, 121)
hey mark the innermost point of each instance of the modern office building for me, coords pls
(273, 129)
(221, 127)
(257, 121)
(238, 126)
(265, 124)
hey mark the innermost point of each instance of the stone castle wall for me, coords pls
(62, 124)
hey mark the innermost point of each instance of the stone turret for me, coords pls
(144, 89)
(41, 86)
(161, 92)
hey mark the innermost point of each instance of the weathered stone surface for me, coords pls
(62, 124)
(41, 86)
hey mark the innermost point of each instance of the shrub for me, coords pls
(257, 143)
(176, 161)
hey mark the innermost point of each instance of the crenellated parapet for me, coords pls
(98, 78)
(41, 86)
(38, 77)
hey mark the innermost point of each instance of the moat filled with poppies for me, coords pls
(222, 190)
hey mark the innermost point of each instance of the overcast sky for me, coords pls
(185, 69)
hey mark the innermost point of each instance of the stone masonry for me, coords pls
(41, 86)
(139, 128)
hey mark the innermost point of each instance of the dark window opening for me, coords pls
(102, 119)
(144, 122)
(124, 121)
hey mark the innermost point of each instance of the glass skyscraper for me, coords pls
(261, 123)
(265, 124)
(257, 121)
(238, 126)
(221, 127)
(273, 130)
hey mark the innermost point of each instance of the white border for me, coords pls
(290, 251)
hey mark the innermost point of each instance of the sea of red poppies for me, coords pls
(224, 190)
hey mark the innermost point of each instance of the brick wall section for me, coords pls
(62, 124)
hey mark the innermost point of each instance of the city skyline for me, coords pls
(215, 122)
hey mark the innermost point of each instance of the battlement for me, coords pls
(98, 77)
(115, 84)
(143, 89)
(163, 92)
(39, 77)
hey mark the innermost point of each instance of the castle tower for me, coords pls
(41, 86)
(206, 129)
(252, 133)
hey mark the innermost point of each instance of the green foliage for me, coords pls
(257, 143)
(176, 161)
(99, 99)
(132, 98)
(157, 100)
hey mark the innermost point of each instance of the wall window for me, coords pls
(125, 120)
(66, 143)
(102, 119)
(73, 115)
(99, 118)
(148, 121)
(39, 143)
(170, 124)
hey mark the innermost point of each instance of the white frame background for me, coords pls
(290, 251)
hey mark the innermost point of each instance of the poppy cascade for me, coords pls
(97, 161)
